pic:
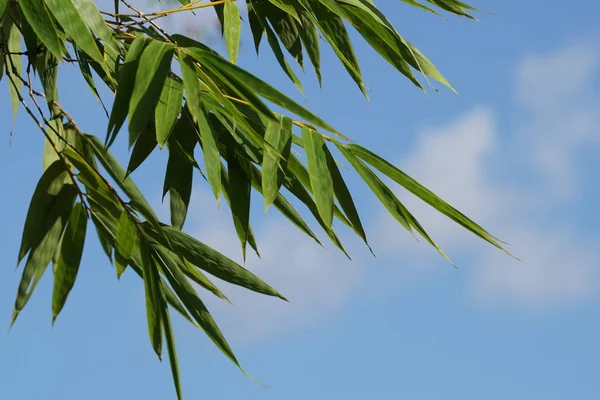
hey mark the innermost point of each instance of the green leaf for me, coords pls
(342, 193)
(126, 237)
(93, 19)
(212, 157)
(193, 303)
(213, 262)
(150, 77)
(3, 7)
(15, 65)
(232, 29)
(172, 350)
(320, 176)
(84, 67)
(143, 147)
(125, 86)
(279, 136)
(310, 39)
(208, 136)
(71, 250)
(42, 201)
(36, 13)
(168, 109)
(45, 247)
(333, 29)
(239, 189)
(154, 299)
(274, 43)
(198, 277)
(422, 193)
(180, 172)
(383, 193)
(74, 26)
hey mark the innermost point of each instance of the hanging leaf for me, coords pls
(69, 18)
(232, 29)
(239, 196)
(154, 299)
(44, 247)
(320, 177)
(36, 13)
(279, 136)
(43, 200)
(150, 77)
(125, 85)
(168, 109)
(71, 250)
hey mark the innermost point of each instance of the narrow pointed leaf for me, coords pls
(70, 20)
(193, 303)
(125, 85)
(154, 299)
(168, 109)
(239, 189)
(422, 192)
(42, 201)
(320, 176)
(43, 250)
(342, 193)
(36, 13)
(71, 250)
(383, 193)
(275, 159)
(172, 350)
(232, 29)
(215, 263)
(150, 77)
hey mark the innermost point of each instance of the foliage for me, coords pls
(178, 93)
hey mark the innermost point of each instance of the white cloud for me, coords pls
(453, 161)
(557, 91)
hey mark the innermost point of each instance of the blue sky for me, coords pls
(516, 150)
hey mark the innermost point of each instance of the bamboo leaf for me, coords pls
(125, 85)
(126, 236)
(150, 77)
(154, 299)
(44, 248)
(172, 350)
(342, 193)
(180, 171)
(15, 66)
(279, 136)
(383, 193)
(143, 147)
(213, 262)
(36, 13)
(71, 250)
(239, 189)
(193, 303)
(168, 109)
(70, 20)
(43, 200)
(320, 176)
(423, 193)
(232, 29)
